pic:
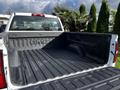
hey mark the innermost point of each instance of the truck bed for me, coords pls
(45, 56)
(101, 79)
(38, 65)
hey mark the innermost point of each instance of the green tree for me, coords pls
(103, 19)
(116, 27)
(113, 13)
(82, 9)
(71, 20)
(92, 24)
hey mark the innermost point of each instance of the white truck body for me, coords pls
(4, 46)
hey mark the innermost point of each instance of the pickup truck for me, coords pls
(3, 21)
(36, 54)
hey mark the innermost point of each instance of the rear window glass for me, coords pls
(35, 23)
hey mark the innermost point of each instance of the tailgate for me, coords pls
(101, 79)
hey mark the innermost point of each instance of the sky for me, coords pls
(46, 6)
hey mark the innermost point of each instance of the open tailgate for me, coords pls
(102, 79)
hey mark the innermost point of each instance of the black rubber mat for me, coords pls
(39, 65)
(102, 79)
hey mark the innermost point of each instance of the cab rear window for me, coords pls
(35, 23)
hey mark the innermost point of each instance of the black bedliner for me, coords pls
(39, 58)
(101, 79)
(39, 65)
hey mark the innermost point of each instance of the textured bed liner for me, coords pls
(45, 57)
(102, 79)
(40, 65)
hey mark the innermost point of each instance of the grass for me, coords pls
(118, 59)
(118, 62)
